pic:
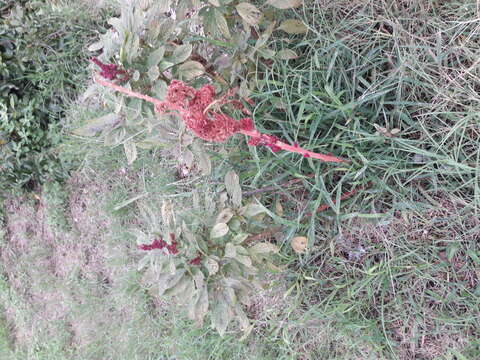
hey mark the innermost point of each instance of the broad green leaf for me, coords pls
(212, 266)
(244, 259)
(293, 26)
(190, 70)
(222, 24)
(240, 238)
(230, 251)
(187, 158)
(219, 230)
(287, 54)
(166, 281)
(242, 318)
(232, 183)
(164, 65)
(130, 151)
(153, 73)
(249, 13)
(215, 2)
(200, 306)
(285, 4)
(224, 216)
(222, 315)
(156, 56)
(263, 248)
(96, 46)
(181, 53)
(160, 89)
(204, 162)
(92, 127)
(252, 210)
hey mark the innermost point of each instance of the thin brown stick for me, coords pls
(263, 235)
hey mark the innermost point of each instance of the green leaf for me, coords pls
(285, 4)
(249, 13)
(287, 54)
(222, 315)
(153, 73)
(181, 53)
(204, 162)
(92, 127)
(212, 266)
(160, 89)
(166, 281)
(214, 2)
(190, 70)
(230, 251)
(222, 24)
(156, 56)
(263, 248)
(130, 151)
(224, 216)
(199, 309)
(232, 183)
(293, 26)
(96, 46)
(219, 230)
(240, 238)
(252, 210)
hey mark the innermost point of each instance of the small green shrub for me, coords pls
(41, 63)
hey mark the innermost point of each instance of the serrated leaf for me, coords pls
(249, 13)
(222, 24)
(264, 248)
(190, 70)
(252, 210)
(287, 54)
(232, 183)
(130, 151)
(285, 4)
(293, 26)
(92, 127)
(219, 230)
(156, 56)
(181, 53)
(230, 251)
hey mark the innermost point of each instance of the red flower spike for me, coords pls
(295, 144)
(109, 71)
(197, 109)
(195, 261)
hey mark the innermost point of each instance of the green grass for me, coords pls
(391, 273)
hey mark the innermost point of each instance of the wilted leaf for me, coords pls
(278, 208)
(187, 157)
(232, 183)
(181, 53)
(190, 70)
(249, 13)
(264, 248)
(92, 127)
(293, 26)
(287, 54)
(219, 230)
(285, 4)
(299, 244)
(222, 24)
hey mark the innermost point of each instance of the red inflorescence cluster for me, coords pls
(110, 71)
(265, 140)
(161, 244)
(195, 261)
(195, 107)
